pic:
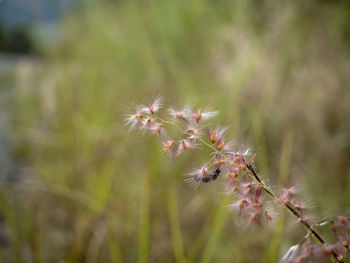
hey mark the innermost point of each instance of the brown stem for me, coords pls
(293, 211)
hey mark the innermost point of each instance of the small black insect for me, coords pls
(207, 178)
(216, 174)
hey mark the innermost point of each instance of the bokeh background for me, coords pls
(76, 186)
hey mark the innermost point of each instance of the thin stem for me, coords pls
(293, 211)
(252, 173)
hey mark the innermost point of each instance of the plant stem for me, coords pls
(253, 173)
(293, 211)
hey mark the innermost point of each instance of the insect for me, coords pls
(216, 174)
(208, 177)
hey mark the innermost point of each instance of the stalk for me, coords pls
(253, 173)
(292, 211)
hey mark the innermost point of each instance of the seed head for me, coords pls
(186, 144)
(224, 146)
(287, 195)
(183, 114)
(133, 119)
(153, 108)
(267, 217)
(239, 205)
(169, 146)
(299, 206)
(200, 115)
(344, 221)
(216, 135)
(193, 130)
(147, 123)
(158, 129)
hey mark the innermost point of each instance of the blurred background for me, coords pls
(76, 186)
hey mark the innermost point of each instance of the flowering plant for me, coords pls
(242, 180)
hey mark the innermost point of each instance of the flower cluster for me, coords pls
(288, 199)
(308, 251)
(145, 118)
(236, 166)
(246, 189)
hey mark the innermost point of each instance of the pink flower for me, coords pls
(299, 206)
(239, 205)
(134, 119)
(170, 147)
(344, 240)
(185, 144)
(267, 217)
(287, 195)
(219, 162)
(182, 114)
(216, 135)
(254, 217)
(344, 221)
(147, 123)
(158, 129)
(224, 146)
(192, 130)
(199, 115)
(248, 188)
(238, 160)
(154, 107)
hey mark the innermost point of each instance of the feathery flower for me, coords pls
(193, 130)
(344, 240)
(216, 135)
(224, 146)
(267, 217)
(147, 123)
(186, 144)
(219, 162)
(133, 119)
(182, 114)
(154, 107)
(170, 147)
(287, 195)
(299, 206)
(158, 129)
(344, 221)
(239, 205)
(200, 115)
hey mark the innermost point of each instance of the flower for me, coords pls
(186, 144)
(133, 119)
(193, 131)
(224, 146)
(169, 146)
(287, 195)
(239, 205)
(147, 123)
(216, 135)
(154, 107)
(200, 115)
(182, 114)
(219, 162)
(158, 129)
